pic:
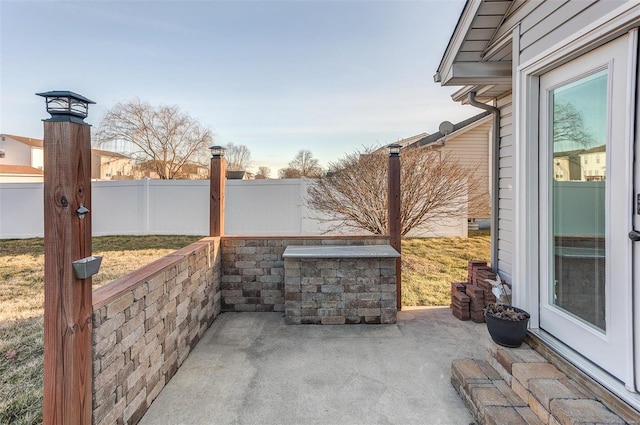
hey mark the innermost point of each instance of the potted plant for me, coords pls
(506, 324)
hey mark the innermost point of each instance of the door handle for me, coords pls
(634, 235)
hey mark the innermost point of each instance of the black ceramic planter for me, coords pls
(507, 333)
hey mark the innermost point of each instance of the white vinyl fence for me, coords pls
(181, 207)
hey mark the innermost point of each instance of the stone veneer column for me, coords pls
(340, 285)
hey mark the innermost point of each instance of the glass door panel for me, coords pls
(578, 141)
(585, 185)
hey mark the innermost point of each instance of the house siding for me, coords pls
(553, 36)
(505, 175)
(472, 149)
(16, 153)
(544, 24)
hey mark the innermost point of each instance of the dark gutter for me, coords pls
(495, 184)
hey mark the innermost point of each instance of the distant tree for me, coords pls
(289, 173)
(433, 188)
(302, 165)
(162, 137)
(263, 172)
(569, 128)
(238, 157)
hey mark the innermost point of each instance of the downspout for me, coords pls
(495, 167)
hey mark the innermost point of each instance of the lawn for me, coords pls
(429, 265)
(21, 310)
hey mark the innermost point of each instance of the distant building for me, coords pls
(404, 142)
(580, 165)
(593, 163)
(20, 174)
(194, 171)
(188, 171)
(27, 152)
(18, 150)
(566, 165)
(107, 165)
(469, 144)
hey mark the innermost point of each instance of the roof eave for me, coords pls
(457, 38)
(484, 93)
(465, 73)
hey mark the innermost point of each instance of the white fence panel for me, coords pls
(119, 207)
(21, 210)
(181, 207)
(258, 207)
(445, 228)
(178, 207)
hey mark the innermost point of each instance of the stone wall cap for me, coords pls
(333, 251)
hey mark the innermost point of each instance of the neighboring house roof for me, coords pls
(597, 149)
(478, 56)
(109, 154)
(435, 137)
(568, 153)
(404, 142)
(19, 169)
(411, 140)
(36, 143)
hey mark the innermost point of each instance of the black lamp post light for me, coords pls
(217, 151)
(66, 106)
(394, 149)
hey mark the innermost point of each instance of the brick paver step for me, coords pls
(487, 396)
(525, 390)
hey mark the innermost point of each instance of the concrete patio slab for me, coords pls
(251, 368)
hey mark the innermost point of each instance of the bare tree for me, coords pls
(569, 128)
(289, 173)
(263, 172)
(354, 192)
(238, 157)
(162, 136)
(302, 165)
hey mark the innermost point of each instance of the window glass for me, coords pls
(579, 129)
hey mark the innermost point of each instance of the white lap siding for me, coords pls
(505, 209)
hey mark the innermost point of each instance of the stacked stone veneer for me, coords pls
(145, 325)
(337, 291)
(253, 268)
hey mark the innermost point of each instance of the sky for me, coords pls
(276, 76)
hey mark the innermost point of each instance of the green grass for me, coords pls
(429, 267)
(21, 310)
(21, 371)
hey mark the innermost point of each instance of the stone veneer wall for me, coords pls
(146, 323)
(253, 268)
(338, 291)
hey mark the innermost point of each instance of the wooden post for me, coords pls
(217, 187)
(394, 217)
(68, 311)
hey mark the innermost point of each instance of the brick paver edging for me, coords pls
(519, 387)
